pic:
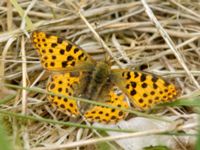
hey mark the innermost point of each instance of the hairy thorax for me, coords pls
(99, 81)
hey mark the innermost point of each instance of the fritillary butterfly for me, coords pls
(80, 75)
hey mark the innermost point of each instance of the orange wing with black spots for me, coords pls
(66, 84)
(106, 114)
(57, 54)
(144, 89)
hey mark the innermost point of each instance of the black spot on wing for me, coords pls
(133, 84)
(143, 78)
(133, 92)
(64, 64)
(69, 58)
(76, 50)
(62, 51)
(136, 74)
(128, 75)
(81, 56)
(68, 47)
(59, 41)
(53, 45)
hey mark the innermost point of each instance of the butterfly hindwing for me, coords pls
(106, 114)
(143, 89)
(67, 84)
(57, 54)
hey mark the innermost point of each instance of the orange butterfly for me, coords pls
(80, 75)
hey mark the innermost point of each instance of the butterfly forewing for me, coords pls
(144, 89)
(57, 54)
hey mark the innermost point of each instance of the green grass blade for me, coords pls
(7, 99)
(194, 101)
(4, 142)
(198, 141)
(72, 124)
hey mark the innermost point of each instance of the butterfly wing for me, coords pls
(143, 89)
(68, 84)
(106, 114)
(57, 54)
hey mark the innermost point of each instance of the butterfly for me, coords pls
(76, 73)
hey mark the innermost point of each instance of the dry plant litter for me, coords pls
(160, 37)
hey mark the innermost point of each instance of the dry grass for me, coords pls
(162, 36)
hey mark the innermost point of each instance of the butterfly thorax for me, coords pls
(98, 81)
